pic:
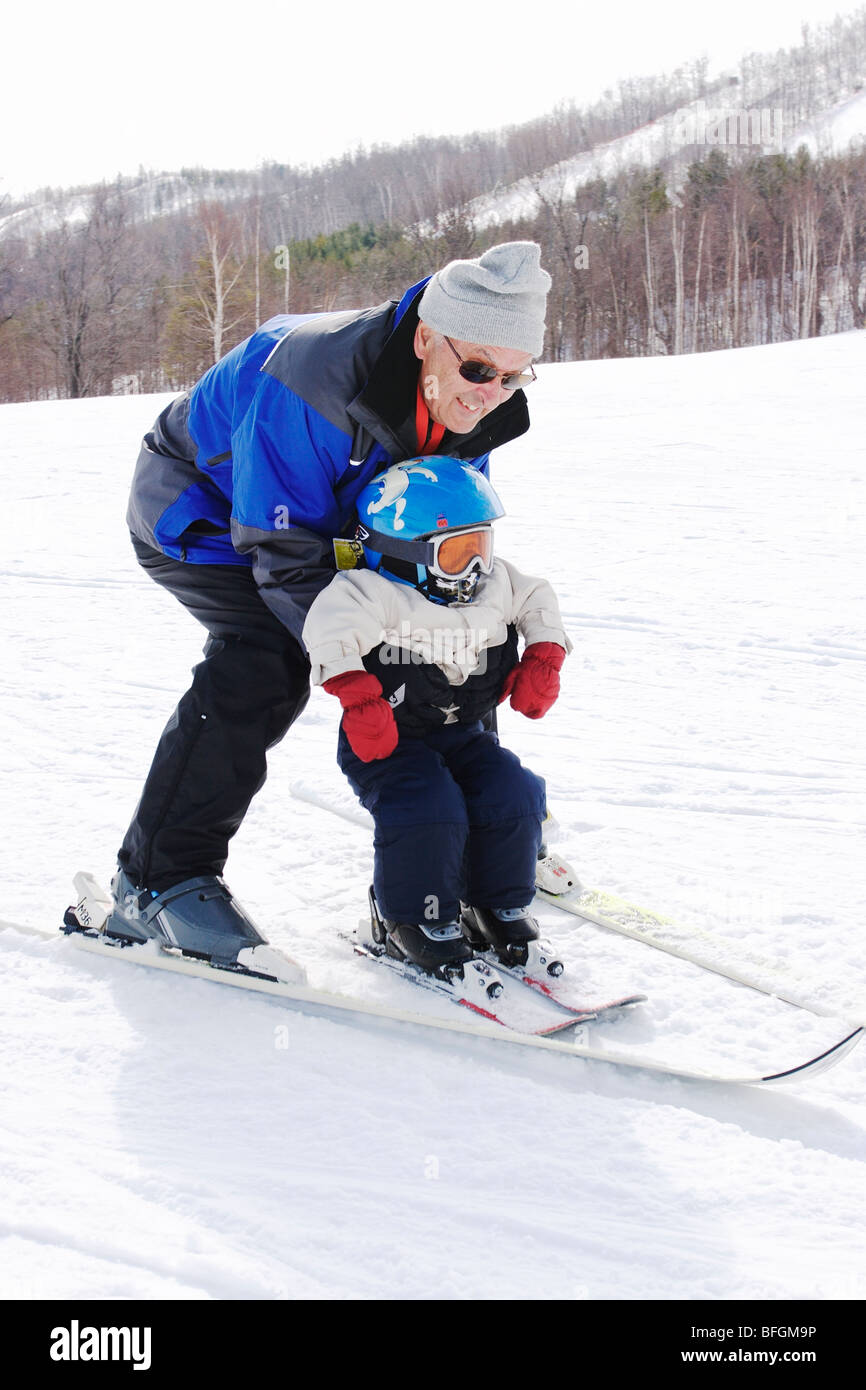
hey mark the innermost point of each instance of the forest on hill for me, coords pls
(727, 240)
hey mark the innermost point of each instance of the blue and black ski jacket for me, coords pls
(261, 463)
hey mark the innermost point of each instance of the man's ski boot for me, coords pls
(198, 917)
(438, 948)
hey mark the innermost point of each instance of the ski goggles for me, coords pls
(481, 373)
(460, 552)
(452, 555)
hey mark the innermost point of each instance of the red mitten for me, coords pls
(368, 722)
(534, 683)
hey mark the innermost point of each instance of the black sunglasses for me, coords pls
(480, 372)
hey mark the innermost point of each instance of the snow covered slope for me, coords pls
(841, 128)
(701, 518)
(673, 141)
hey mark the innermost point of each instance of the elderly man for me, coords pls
(239, 493)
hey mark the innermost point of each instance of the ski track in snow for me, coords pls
(701, 519)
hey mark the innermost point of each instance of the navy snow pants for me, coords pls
(210, 761)
(457, 817)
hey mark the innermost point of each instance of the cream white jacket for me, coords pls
(361, 610)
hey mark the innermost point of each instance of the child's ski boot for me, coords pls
(512, 936)
(439, 948)
(505, 930)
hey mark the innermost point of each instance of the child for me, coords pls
(419, 647)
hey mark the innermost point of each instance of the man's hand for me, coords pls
(534, 683)
(368, 722)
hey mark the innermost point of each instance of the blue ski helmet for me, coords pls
(406, 514)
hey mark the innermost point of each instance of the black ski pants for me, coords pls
(210, 760)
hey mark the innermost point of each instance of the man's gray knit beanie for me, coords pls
(497, 300)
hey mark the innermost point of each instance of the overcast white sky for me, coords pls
(90, 88)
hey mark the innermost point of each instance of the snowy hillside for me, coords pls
(702, 520)
(673, 141)
(149, 196)
(836, 131)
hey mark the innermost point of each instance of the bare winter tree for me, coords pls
(86, 282)
(214, 306)
(226, 256)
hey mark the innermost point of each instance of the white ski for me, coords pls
(687, 943)
(336, 1006)
(692, 944)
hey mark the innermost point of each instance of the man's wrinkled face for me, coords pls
(453, 402)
